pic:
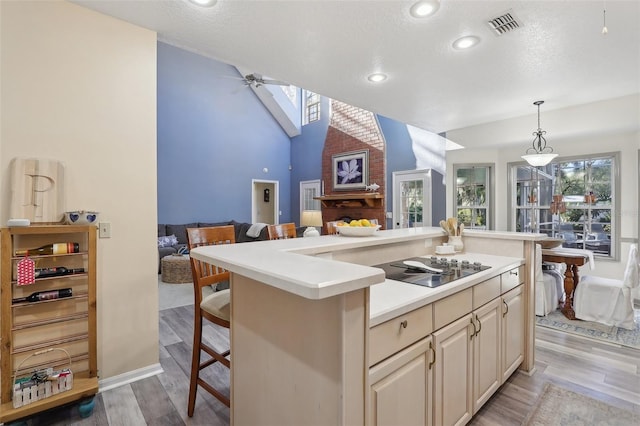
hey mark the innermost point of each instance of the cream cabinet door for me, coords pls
(453, 372)
(401, 387)
(487, 368)
(512, 331)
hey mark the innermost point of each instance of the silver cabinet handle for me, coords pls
(506, 305)
(404, 324)
(479, 325)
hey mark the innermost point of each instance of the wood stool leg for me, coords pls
(195, 364)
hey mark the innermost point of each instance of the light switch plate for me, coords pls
(104, 230)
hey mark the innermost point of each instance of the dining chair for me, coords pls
(215, 308)
(606, 300)
(330, 227)
(282, 231)
(548, 289)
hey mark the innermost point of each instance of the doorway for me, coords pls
(413, 193)
(308, 190)
(265, 207)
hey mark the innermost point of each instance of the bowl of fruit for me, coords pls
(357, 228)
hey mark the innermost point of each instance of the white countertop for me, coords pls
(291, 265)
(393, 298)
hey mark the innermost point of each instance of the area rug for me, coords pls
(611, 334)
(560, 406)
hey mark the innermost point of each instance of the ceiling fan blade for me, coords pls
(232, 77)
(258, 80)
(277, 82)
(240, 88)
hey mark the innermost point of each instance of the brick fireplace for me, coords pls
(353, 129)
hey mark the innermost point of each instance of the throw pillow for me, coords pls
(167, 241)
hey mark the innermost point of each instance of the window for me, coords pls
(311, 107)
(292, 93)
(473, 195)
(572, 198)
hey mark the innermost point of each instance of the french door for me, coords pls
(308, 190)
(411, 198)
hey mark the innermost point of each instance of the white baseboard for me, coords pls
(129, 377)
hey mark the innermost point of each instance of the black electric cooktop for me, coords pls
(450, 270)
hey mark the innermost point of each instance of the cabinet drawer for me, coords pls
(390, 337)
(512, 279)
(451, 308)
(486, 291)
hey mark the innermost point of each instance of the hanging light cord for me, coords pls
(604, 18)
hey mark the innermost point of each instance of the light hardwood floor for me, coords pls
(606, 372)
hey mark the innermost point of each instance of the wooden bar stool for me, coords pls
(215, 308)
(282, 231)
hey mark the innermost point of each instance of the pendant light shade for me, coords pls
(539, 154)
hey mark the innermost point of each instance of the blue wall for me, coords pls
(214, 137)
(306, 155)
(399, 153)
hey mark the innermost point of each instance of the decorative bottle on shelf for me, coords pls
(56, 271)
(57, 248)
(45, 295)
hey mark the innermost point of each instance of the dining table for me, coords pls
(573, 258)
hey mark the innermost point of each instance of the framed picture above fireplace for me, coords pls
(350, 170)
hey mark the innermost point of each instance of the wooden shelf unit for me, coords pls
(363, 199)
(68, 323)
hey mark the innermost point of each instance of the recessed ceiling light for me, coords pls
(204, 3)
(466, 42)
(377, 77)
(424, 8)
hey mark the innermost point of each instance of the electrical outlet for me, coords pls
(104, 229)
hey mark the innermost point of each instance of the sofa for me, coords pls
(173, 238)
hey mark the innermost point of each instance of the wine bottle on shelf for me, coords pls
(57, 248)
(45, 295)
(56, 271)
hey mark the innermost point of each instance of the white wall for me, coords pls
(80, 87)
(612, 126)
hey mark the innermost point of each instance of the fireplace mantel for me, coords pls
(362, 199)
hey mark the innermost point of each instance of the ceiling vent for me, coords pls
(504, 23)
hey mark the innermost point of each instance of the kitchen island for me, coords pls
(318, 336)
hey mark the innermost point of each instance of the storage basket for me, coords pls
(176, 269)
(43, 383)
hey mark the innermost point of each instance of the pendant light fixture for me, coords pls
(604, 19)
(539, 154)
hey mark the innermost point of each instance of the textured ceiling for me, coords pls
(558, 55)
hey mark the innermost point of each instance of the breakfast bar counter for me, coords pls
(303, 312)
